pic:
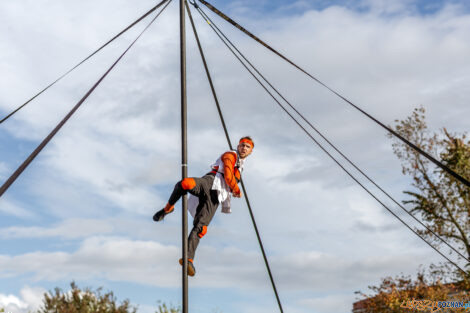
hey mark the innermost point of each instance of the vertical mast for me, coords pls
(184, 155)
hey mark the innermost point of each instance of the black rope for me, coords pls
(211, 23)
(83, 61)
(33, 155)
(209, 78)
(201, 52)
(330, 143)
(419, 150)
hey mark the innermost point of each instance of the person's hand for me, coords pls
(237, 194)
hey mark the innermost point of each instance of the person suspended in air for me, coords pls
(207, 192)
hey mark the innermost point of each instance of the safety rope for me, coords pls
(33, 155)
(211, 24)
(329, 142)
(209, 78)
(84, 60)
(416, 148)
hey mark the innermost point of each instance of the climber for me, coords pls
(207, 192)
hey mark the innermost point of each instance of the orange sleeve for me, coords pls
(229, 159)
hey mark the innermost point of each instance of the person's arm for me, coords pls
(229, 159)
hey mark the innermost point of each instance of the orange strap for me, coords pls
(189, 260)
(188, 183)
(203, 232)
(168, 208)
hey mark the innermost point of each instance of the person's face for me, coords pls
(244, 149)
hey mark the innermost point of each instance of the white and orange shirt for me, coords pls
(228, 172)
(227, 169)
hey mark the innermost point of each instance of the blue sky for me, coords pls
(82, 210)
(420, 7)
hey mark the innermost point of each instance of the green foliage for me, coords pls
(83, 301)
(162, 308)
(442, 202)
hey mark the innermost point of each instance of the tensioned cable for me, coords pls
(214, 27)
(419, 150)
(84, 60)
(326, 151)
(219, 110)
(33, 155)
(329, 142)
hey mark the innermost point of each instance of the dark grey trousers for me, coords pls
(208, 203)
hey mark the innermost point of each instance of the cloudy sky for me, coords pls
(82, 210)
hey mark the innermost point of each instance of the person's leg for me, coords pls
(198, 231)
(189, 184)
(182, 187)
(204, 214)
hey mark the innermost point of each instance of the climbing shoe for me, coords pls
(161, 214)
(191, 268)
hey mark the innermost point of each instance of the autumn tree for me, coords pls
(91, 301)
(406, 294)
(83, 301)
(438, 199)
(163, 308)
(443, 204)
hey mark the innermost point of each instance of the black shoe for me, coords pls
(191, 268)
(160, 215)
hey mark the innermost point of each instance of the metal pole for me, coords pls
(184, 155)
(231, 148)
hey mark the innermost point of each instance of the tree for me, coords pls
(442, 202)
(83, 301)
(90, 301)
(404, 294)
(163, 308)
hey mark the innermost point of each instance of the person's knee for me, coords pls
(188, 183)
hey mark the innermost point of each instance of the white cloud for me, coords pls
(3, 170)
(69, 229)
(331, 303)
(6, 300)
(11, 208)
(151, 263)
(112, 170)
(112, 258)
(112, 153)
(30, 300)
(120, 152)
